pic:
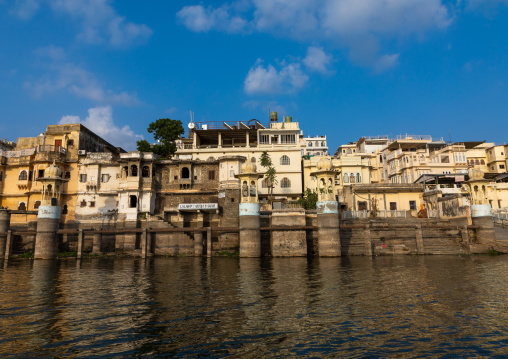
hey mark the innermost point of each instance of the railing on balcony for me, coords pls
(51, 148)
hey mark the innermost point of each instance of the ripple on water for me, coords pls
(176, 307)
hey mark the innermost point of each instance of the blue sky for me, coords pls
(342, 68)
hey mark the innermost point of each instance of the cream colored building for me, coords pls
(283, 141)
(496, 159)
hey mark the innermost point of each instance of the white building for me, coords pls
(316, 146)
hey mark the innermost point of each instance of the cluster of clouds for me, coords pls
(100, 120)
(359, 25)
(362, 27)
(97, 20)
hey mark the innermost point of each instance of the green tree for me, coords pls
(270, 174)
(166, 131)
(309, 199)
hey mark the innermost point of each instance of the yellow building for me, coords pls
(62, 144)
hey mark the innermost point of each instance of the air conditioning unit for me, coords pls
(81, 152)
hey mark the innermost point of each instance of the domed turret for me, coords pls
(325, 164)
(53, 171)
(248, 167)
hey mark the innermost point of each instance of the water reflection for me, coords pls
(188, 307)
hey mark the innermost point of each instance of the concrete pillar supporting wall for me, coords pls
(198, 236)
(97, 243)
(209, 242)
(8, 245)
(250, 235)
(465, 235)
(367, 241)
(46, 239)
(481, 216)
(5, 225)
(328, 229)
(291, 243)
(81, 240)
(419, 240)
(144, 243)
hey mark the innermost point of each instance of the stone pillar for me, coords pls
(481, 216)
(209, 242)
(367, 241)
(97, 243)
(250, 235)
(8, 245)
(465, 235)
(144, 243)
(129, 241)
(81, 240)
(292, 243)
(5, 224)
(419, 240)
(198, 236)
(46, 239)
(328, 229)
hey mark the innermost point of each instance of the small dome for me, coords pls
(325, 164)
(475, 174)
(53, 171)
(248, 167)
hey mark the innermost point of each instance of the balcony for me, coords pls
(24, 185)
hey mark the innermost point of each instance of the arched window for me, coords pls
(482, 162)
(310, 144)
(284, 160)
(185, 172)
(23, 175)
(134, 171)
(477, 162)
(145, 172)
(64, 209)
(346, 178)
(285, 183)
(133, 201)
(22, 206)
(358, 178)
(352, 177)
(253, 159)
(37, 204)
(322, 144)
(125, 172)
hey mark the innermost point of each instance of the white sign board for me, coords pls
(197, 206)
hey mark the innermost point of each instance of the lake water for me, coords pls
(404, 306)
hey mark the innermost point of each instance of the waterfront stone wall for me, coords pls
(385, 236)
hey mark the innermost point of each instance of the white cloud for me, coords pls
(97, 19)
(24, 9)
(350, 23)
(67, 76)
(100, 120)
(386, 62)
(267, 80)
(317, 59)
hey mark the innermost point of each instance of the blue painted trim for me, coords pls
(325, 207)
(249, 209)
(52, 212)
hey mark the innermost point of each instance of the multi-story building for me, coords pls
(60, 144)
(316, 146)
(496, 159)
(283, 141)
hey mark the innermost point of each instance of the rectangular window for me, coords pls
(105, 177)
(265, 139)
(82, 178)
(501, 167)
(211, 175)
(41, 173)
(393, 206)
(67, 174)
(231, 173)
(412, 205)
(287, 139)
(92, 204)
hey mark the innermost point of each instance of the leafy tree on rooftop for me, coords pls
(165, 131)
